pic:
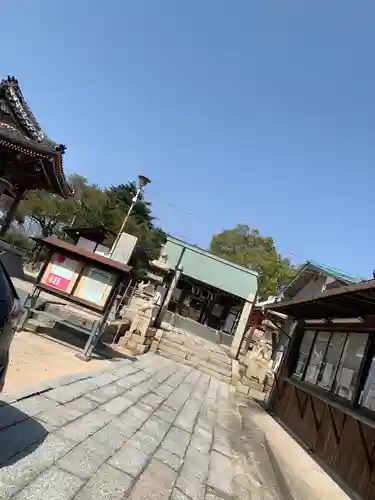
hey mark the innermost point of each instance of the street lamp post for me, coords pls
(143, 181)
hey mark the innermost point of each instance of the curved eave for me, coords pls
(66, 190)
(29, 149)
(51, 162)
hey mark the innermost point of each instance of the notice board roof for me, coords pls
(82, 254)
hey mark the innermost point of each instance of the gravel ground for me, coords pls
(34, 359)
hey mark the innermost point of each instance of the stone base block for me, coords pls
(141, 349)
(252, 383)
(242, 389)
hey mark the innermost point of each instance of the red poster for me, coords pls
(57, 282)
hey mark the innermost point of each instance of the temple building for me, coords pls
(212, 297)
(28, 158)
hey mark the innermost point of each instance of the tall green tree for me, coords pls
(122, 196)
(245, 246)
(50, 212)
(88, 207)
(94, 206)
(140, 224)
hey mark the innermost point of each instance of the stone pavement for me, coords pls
(144, 429)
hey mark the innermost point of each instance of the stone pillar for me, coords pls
(241, 327)
(168, 296)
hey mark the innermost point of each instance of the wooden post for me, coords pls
(284, 367)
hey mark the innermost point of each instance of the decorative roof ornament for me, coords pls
(164, 256)
(61, 148)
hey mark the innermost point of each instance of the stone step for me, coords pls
(214, 368)
(33, 325)
(178, 338)
(168, 342)
(196, 352)
(75, 318)
(166, 350)
(214, 374)
(225, 362)
(196, 357)
(182, 348)
(215, 357)
(177, 359)
(189, 362)
(194, 361)
(43, 319)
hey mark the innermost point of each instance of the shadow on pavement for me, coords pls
(20, 434)
(76, 340)
(29, 279)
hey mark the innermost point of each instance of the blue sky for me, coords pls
(239, 111)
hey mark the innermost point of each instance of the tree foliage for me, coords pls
(140, 224)
(94, 206)
(50, 212)
(247, 247)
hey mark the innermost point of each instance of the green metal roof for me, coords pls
(208, 268)
(335, 273)
(207, 253)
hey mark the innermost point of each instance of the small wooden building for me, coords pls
(81, 278)
(79, 275)
(324, 391)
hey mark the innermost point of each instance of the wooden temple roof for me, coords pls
(347, 301)
(20, 131)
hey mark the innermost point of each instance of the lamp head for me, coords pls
(143, 180)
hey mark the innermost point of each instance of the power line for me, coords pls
(198, 217)
(211, 223)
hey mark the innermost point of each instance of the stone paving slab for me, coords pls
(142, 429)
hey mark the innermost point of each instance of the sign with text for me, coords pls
(57, 282)
(61, 273)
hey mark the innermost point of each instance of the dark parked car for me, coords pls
(10, 310)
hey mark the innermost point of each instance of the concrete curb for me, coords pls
(282, 482)
(270, 473)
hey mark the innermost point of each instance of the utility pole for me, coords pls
(167, 297)
(143, 181)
